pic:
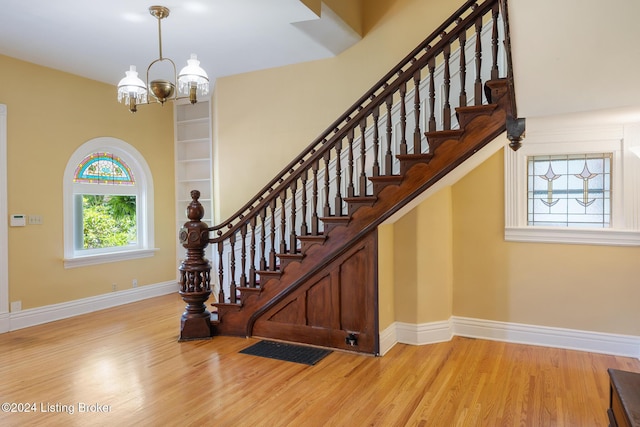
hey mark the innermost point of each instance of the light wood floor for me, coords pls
(129, 359)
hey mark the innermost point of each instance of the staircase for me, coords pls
(298, 261)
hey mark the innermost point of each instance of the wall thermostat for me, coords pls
(18, 220)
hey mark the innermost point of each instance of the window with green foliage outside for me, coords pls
(108, 221)
(106, 203)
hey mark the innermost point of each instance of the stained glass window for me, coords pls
(103, 168)
(569, 190)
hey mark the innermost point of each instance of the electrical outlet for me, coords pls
(114, 287)
(134, 283)
(16, 306)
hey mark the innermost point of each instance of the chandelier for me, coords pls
(192, 80)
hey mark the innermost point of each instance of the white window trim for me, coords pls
(142, 174)
(618, 139)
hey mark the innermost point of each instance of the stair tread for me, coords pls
(267, 272)
(290, 255)
(386, 178)
(476, 108)
(420, 156)
(382, 181)
(335, 219)
(451, 133)
(224, 304)
(364, 199)
(312, 237)
(309, 241)
(247, 289)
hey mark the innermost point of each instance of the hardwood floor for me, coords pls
(127, 361)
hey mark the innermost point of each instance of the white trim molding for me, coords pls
(432, 332)
(144, 191)
(82, 261)
(413, 334)
(572, 339)
(50, 313)
(388, 338)
(4, 218)
(517, 333)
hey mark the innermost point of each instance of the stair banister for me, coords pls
(281, 221)
(324, 143)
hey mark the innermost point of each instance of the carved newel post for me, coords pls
(195, 286)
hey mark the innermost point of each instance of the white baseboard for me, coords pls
(573, 339)
(388, 339)
(409, 333)
(49, 313)
(430, 333)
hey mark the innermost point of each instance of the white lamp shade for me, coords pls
(131, 86)
(193, 74)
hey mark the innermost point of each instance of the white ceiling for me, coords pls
(575, 55)
(100, 39)
(569, 55)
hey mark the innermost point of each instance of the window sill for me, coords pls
(591, 236)
(82, 261)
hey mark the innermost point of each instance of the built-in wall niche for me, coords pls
(193, 162)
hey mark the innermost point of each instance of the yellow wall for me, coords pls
(265, 118)
(386, 276)
(593, 288)
(448, 257)
(49, 115)
(423, 261)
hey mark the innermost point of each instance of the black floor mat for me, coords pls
(286, 352)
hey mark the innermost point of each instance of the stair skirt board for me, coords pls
(517, 333)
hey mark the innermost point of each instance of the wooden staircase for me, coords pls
(299, 261)
(482, 125)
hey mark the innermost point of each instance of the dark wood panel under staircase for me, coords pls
(298, 262)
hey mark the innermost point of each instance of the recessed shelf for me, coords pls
(193, 162)
(192, 140)
(193, 180)
(191, 121)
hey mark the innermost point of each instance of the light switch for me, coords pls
(35, 219)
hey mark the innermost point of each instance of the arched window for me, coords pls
(108, 204)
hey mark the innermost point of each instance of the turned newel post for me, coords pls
(195, 285)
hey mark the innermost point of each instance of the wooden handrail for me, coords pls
(264, 234)
(373, 99)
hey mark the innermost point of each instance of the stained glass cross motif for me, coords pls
(550, 176)
(103, 168)
(585, 175)
(569, 190)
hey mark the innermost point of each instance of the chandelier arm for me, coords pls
(175, 73)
